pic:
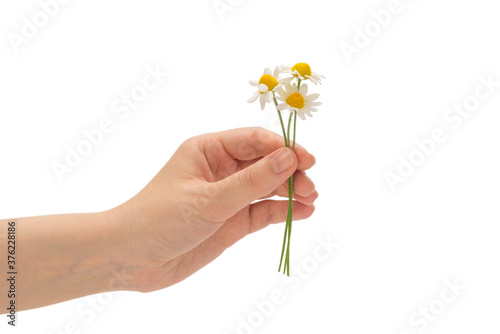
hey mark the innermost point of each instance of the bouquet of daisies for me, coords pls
(292, 92)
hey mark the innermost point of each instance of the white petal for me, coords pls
(269, 96)
(254, 83)
(282, 106)
(314, 104)
(262, 101)
(303, 90)
(308, 108)
(253, 97)
(288, 90)
(312, 97)
(301, 115)
(313, 80)
(308, 113)
(263, 88)
(276, 73)
(318, 76)
(280, 91)
(267, 71)
(285, 81)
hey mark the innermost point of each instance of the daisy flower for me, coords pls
(295, 99)
(267, 85)
(303, 71)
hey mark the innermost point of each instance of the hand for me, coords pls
(200, 203)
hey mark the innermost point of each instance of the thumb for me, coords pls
(259, 179)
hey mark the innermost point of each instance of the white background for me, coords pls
(397, 248)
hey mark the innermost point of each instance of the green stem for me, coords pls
(288, 228)
(288, 133)
(291, 191)
(287, 144)
(283, 248)
(289, 223)
(281, 120)
(294, 128)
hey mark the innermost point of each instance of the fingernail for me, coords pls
(281, 161)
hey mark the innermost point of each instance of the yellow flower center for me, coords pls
(303, 69)
(296, 100)
(269, 81)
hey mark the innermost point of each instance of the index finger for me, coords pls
(255, 142)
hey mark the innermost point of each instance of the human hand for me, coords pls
(201, 202)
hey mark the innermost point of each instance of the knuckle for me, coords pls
(260, 138)
(248, 178)
(190, 142)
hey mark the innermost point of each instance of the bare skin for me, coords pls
(200, 203)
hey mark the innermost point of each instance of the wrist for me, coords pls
(127, 267)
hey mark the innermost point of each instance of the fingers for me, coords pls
(302, 199)
(249, 220)
(271, 212)
(307, 199)
(255, 217)
(252, 143)
(302, 184)
(242, 188)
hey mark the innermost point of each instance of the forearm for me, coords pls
(57, 258)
